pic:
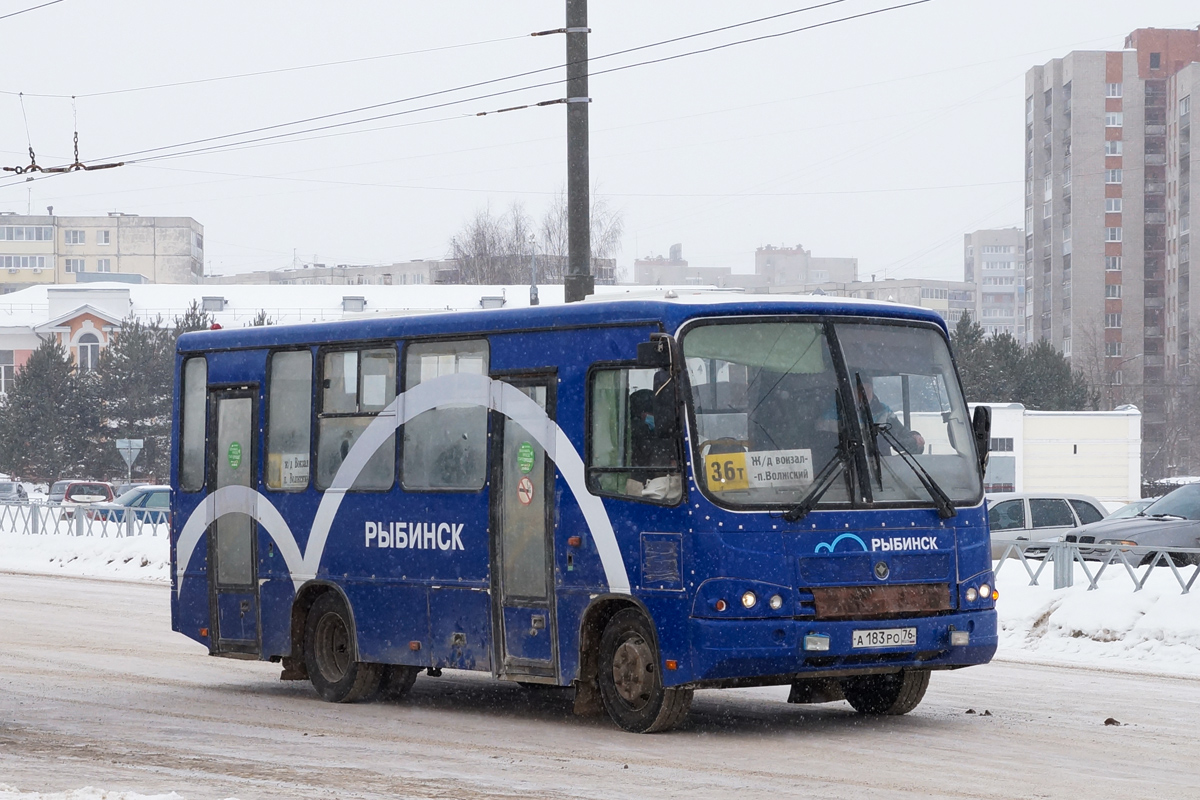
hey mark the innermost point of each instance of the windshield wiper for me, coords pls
(1167, 516)
(943, 502)
(825, 478)
(864, 410)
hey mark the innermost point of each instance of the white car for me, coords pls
(1039, 516)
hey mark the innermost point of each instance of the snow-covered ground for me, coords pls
(1154, 630)
(86, 793)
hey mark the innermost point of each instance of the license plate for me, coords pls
(885, 637)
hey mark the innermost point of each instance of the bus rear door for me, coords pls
(233, 588)
(522, 541)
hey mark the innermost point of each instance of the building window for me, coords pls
(1112, 176)
(1112, 234)
(1112, 263)
(212, 304)
(74, 265)
(1185, 106)
(1112, 205)
(88, 352)
(1113, 119)
(1112, 90)
(103, 265)
(1113, 147)
(102, 237)
(21, 233)
(6, 371)
(1112, 348)
(1066, 348)
(1112, 320)
(1000, 445)
(76, 237)
(1156, 61)
(14, 263)
(1112, 290)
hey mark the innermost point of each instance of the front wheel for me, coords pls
(630, 679)
(328, 649)
(893, 694)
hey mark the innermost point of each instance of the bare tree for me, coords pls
(494, 249)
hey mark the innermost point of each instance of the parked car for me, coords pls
(1039, 516)
(1172, 520)
(69, 495)
(1131, 509)
(148, 503)
(123, 487)
(12, 492)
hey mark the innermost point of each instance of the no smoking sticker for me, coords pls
(525, 491)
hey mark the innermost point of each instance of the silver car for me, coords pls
(1171, 521)
(1039, 516)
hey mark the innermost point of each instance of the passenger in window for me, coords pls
(653, 444)
(882, 414)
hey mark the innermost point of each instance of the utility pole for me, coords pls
(579, 280)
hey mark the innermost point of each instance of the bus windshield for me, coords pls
(770, 417)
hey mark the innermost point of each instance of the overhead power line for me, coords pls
(33, 8)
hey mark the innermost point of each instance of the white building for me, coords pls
(1089, 452)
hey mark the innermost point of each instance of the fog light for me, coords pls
(960, 638)
(749, 599)
(972, 595)
(720, 605)
(985, 591)
(776, 602)
(816, 641)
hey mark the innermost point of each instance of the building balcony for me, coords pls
(1156, 218)
(1156, 130)
(1154, 361)
(1154, 302)
(1155, 159)
(1155, 188)
(1152, 332)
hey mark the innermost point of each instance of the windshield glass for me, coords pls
(1183, 502)
(767, 414)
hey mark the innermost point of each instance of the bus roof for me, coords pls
(670, 312)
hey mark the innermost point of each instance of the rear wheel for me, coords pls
(328, 650)
(630, 680)
(892, 694)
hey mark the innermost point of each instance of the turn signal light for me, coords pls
(720, 605)
(204, 632)
(672, 665)
(995, 595)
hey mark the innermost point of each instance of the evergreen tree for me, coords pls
(194, 319)
(967, 340)
(136, 377)
(1049, 384)
(50, 418)
(1003, 356)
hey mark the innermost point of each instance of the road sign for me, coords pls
(129, 450)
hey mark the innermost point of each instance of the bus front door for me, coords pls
(522, 541)
(232, 586)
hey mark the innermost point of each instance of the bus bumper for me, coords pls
(751, 648)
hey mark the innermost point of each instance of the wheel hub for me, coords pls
(333, 647)
(633, 671)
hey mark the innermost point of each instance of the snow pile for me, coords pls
(86, 793)
(1154, 630)
(135, 558)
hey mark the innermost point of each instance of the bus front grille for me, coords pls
(878, 602)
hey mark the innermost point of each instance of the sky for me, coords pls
(885, 137)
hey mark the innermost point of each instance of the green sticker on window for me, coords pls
(525, 457)
(235, 455)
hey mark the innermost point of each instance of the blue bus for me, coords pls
(636, 498)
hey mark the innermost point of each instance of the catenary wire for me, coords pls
(32, 8)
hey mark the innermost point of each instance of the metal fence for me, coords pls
(43, 519)
(1139, 563)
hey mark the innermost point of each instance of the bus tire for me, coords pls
(630, 678)
(396, 679)
(892, 694)
(328, 650)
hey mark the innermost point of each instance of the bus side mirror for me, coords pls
(656, 353)
(981, 426)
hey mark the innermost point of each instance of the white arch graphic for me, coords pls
(459, 388)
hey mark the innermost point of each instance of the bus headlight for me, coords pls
(985, 591)
(749, 600)
(776, 602)
(972, 595)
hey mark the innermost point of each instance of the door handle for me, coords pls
(245, 607)
(537, 623)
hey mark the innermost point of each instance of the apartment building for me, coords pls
(1107, 218)
(994, 262)
(950, 299)
(123, 248)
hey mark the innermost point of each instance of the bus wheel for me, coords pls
(396, 680)
(892, 694)
(328, 644)
(630, 680)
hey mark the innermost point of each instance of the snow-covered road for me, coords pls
(96, 690)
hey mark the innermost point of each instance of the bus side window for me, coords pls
(355, 386)
(445, 448)
(192, 426)
(633, 435)
(289, 420)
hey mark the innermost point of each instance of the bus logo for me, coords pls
(829, 547)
